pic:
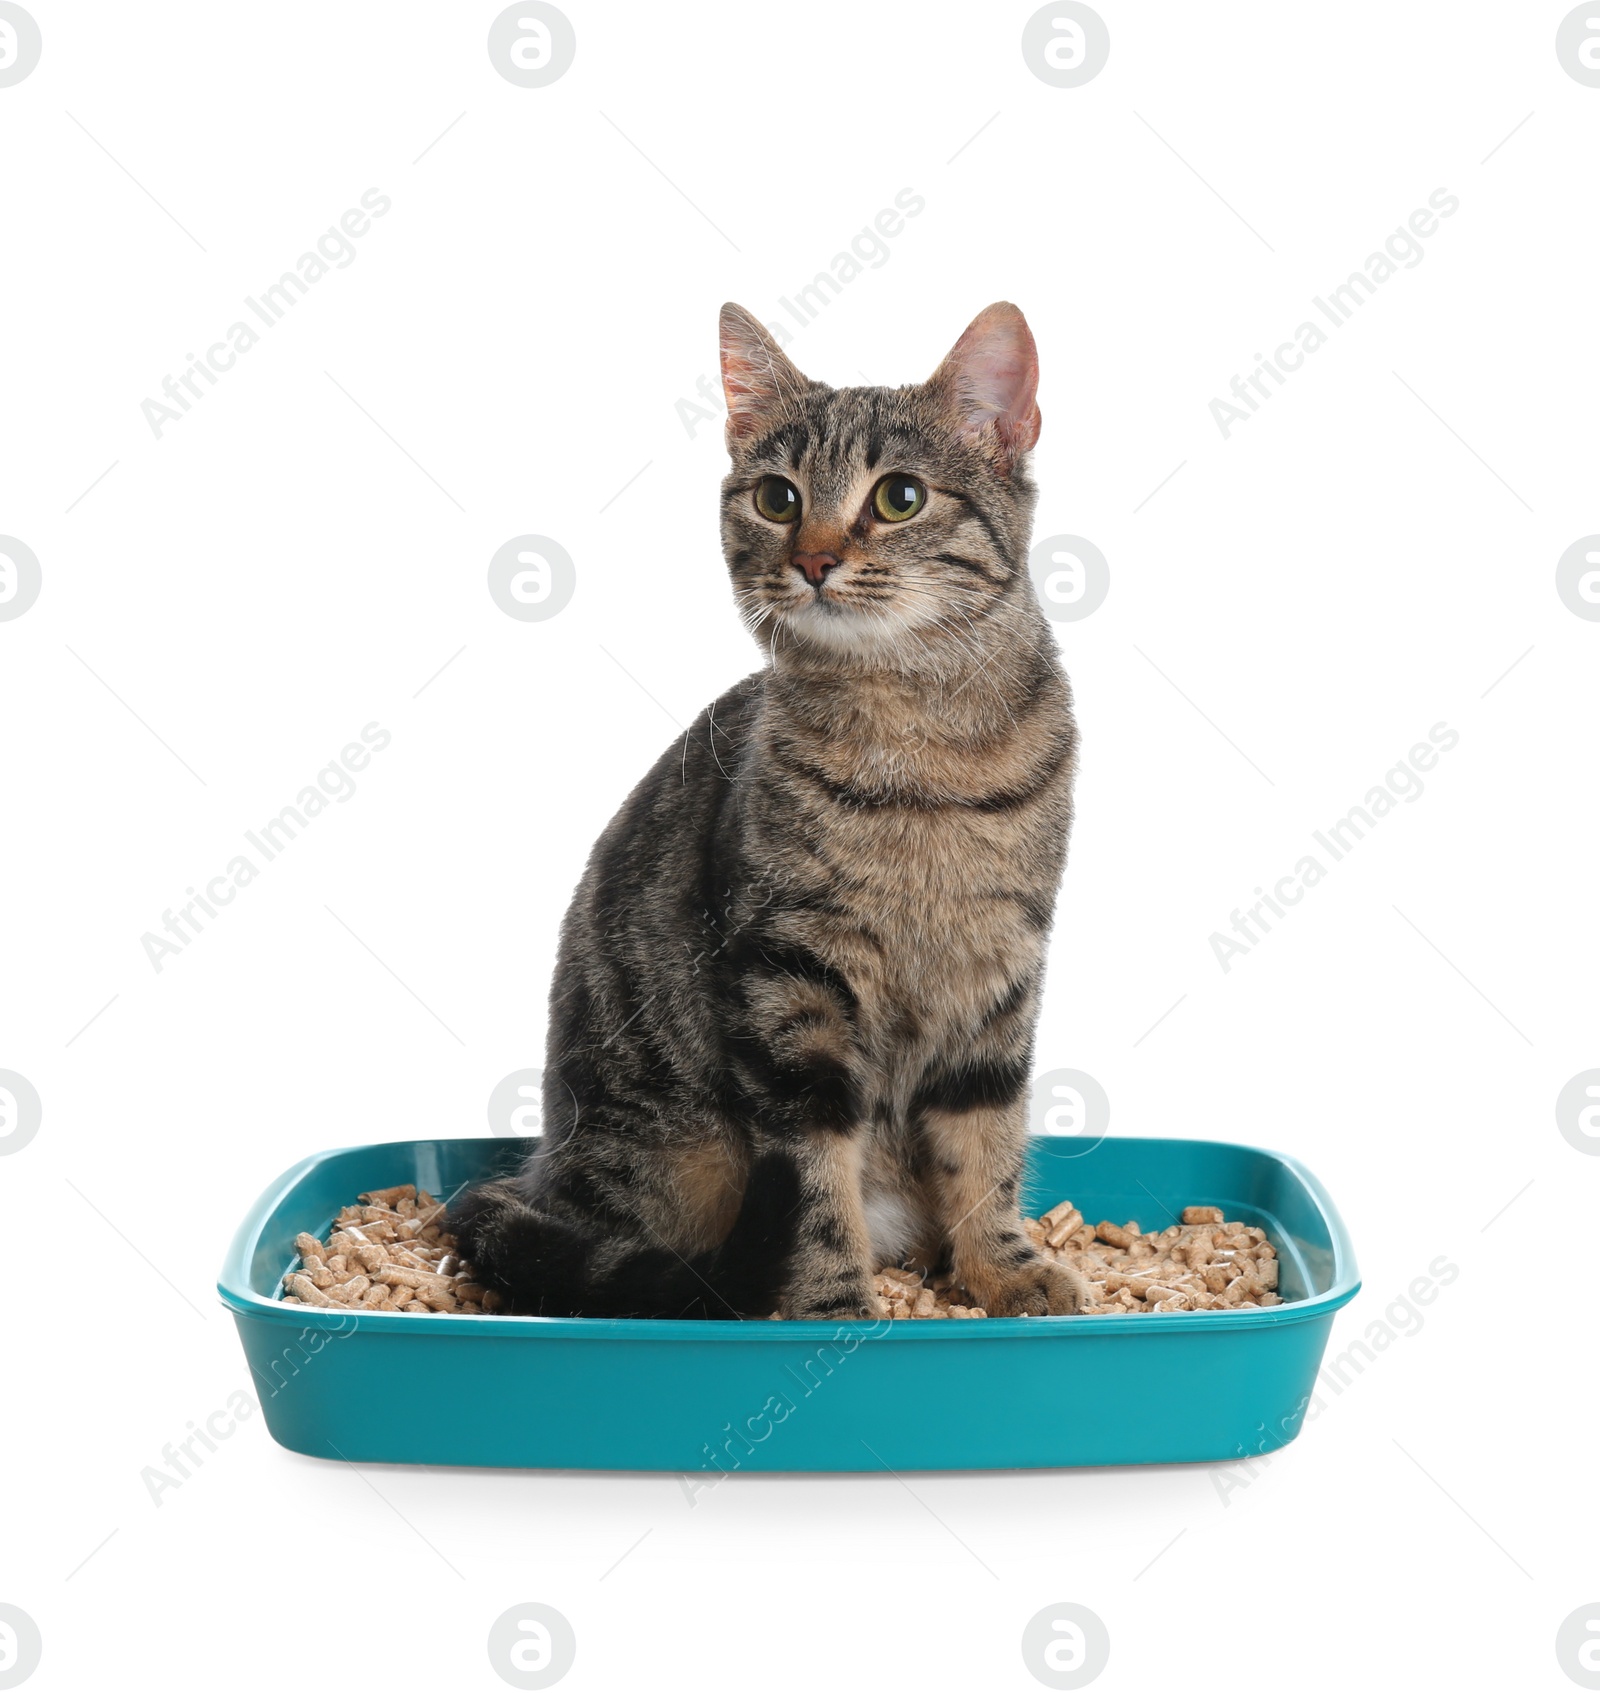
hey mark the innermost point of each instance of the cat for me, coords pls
(793, 1012)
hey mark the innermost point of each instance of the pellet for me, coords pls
(389, 1196)
(1196, 1250)
(1064, 1227)
(307, 1291)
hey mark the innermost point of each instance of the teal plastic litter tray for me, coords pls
(727, 1397)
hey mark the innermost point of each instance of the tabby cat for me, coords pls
(792, 1021)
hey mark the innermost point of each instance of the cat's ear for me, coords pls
(988, 380)
(757, 379)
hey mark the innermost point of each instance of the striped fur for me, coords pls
(793, 1014)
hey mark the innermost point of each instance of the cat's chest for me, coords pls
(907, 863)
(926, 879)
(940, 912)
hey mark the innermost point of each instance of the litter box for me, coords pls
(714, 1398)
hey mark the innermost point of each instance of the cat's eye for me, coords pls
(898, 497)
(777, 499)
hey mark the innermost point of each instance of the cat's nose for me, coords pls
(815, 565)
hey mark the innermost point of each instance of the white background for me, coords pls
(227, 606)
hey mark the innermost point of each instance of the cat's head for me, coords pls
(871, 522)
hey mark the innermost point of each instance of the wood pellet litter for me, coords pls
(1202, 1263)
(390, 1252)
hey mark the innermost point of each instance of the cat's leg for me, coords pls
(975, 1122)
(801, 1072)
(830, 1272)
(614, 1223)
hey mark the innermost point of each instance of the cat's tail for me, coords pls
(546, 1266)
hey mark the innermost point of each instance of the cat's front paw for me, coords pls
(1036, 1288)
(835, 1305)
